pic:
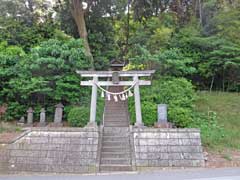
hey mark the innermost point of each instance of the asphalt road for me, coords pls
(190, 174)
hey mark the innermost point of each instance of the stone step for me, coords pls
(115, 129)
(116, 125)
(110, 110)
(123, 161)
(115, 143)
(124, 119)
(114, 111)
(116, 115)
(116, 104)
(115, 138)
(116, 149)
(114, 168)
(115, 120)
(115, 107)
(109, 121)
(116, 155)
(111, 125)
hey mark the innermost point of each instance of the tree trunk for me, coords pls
(223, 81)
(212, 82)
(200, 12)
(78, 15)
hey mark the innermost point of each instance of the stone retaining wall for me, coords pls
(76, 150)
(167, 148)
(53, 151)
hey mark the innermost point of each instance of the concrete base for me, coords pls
(42, 124)
(141, 125)
(29, 125)
(20, 124)
(92, 124)
(55, 124)
(163, 125)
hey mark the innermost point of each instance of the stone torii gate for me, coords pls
(95, 75)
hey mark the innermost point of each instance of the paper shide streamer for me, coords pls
(117, 96)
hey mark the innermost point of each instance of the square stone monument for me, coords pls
(58, 115)
(162, 117)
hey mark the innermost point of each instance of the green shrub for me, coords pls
(149, 113)
(177, 93)
(211, 132)
(14, 111)
(78, 116)
(100, 109)
(180, 116)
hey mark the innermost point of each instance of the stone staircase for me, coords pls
(116, 147)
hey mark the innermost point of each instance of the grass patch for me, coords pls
(9, 127)
(227, 109)
(227, 157)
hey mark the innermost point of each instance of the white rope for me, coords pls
(118, 93)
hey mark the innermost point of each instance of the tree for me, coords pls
(46, 76)
(27, 11)
(222, 63)
(26, 23)
(99, 19)
(9, 59)
(78, 11)
(20, 34)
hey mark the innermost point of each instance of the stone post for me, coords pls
(137, 103)
(92, 121)
(30, 116)
(58, 114)
(162, 117)
(21, 121)
(42, 117)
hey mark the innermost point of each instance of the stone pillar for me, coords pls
(42, 117)
(93, 103)
(58, 114)
(30, 116)
(21, 121)
(162, 117)
(137, 103)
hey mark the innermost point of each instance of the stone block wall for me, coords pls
(53, 151)
(4, 155)
(167, 148)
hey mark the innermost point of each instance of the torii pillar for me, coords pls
(137, 102)
(93, 110)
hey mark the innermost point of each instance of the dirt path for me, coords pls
(226, 158)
